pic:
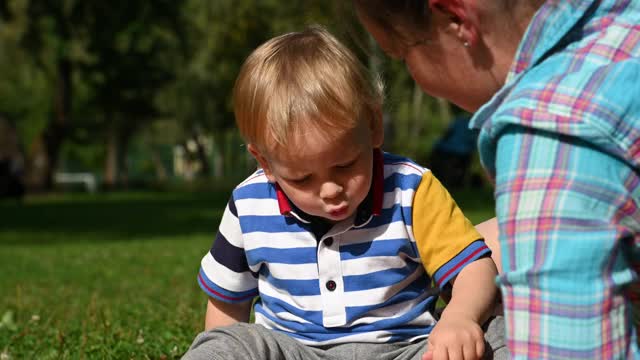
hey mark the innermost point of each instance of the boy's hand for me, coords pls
(458, 334)
(455, 338)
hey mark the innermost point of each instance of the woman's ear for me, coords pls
(262, 160)
(463, 19)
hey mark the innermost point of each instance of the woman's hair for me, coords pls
(404, 19)
(302, 81)
(396, 17)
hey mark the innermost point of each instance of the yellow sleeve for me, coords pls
(445, 238)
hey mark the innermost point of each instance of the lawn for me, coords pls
(112, 276)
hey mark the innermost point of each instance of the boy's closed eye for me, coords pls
(300, 180)
(304, 179)
(346, 165)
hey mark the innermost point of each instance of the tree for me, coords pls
(92, 76)
(44, 33)
(116, 53)
(218, 36)
(131, 51)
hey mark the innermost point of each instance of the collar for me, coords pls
(550, 29)
(372, 205)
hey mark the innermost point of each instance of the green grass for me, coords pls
(107, 276)
(113, 275)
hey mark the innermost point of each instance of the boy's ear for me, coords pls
(262, 160)
(377, 129)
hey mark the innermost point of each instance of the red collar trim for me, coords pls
(377, 182)
(377, 185)
(283, 201)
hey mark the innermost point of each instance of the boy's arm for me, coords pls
(458, 333)
(489, 231)
(474, 291)
(453, 252)
(222, 314)
(224, 272)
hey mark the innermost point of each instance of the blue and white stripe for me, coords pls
(382, 292)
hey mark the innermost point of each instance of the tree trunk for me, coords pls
(418, 118)
(37, 165)
(205, 166)
(123, 149)
(218, 158)
(116, 172)
(444, 109)
(44, 155)
(111, 158)
(158, 165)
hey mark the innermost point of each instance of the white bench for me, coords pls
(87, 179)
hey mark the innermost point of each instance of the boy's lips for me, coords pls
(339, 211)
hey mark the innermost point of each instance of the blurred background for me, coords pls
(118, 151)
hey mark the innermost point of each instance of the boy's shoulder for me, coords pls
(399, 167)
(257, 177)
(255, 186)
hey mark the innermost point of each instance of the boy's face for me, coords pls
(325, 177)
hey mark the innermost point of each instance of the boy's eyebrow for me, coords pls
(349, 159)
(354, 156)
(294, 176)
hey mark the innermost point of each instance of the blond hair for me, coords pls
(305, 81)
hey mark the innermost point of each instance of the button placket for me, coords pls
(331, 283)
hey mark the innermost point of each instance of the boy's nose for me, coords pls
(330, 190)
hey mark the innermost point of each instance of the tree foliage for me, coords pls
(84, 80)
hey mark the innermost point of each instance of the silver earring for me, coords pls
(465, 44)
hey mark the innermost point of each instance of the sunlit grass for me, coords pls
(111, 276)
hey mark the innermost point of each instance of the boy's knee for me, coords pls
(245, 341)
(494, 336)
(222, 343)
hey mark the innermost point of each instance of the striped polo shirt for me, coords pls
(359, 280)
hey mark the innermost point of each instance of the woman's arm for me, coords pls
(222, 314)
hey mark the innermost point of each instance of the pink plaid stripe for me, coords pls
(567, 181)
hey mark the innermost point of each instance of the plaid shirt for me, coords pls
(562, 140)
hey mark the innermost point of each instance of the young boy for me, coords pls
(340, 242)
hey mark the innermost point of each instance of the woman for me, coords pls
(555, 89)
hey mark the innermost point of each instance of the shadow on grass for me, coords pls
(144, 215)
(110, 216)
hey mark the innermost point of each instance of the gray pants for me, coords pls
(254, 342)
